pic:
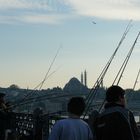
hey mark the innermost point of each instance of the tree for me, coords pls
(13, 86)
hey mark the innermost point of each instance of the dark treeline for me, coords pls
(58, 95)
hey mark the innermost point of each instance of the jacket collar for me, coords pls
(110, 104)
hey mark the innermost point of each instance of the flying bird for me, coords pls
(93, 22)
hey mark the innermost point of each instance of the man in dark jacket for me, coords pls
(4, 117)
(116, 122)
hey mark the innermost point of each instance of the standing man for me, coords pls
(3, 116)
(116, 122)
(2, 102)
(72, 128)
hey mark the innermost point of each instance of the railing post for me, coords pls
(38, 125)
(46, 126)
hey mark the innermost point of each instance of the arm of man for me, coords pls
(134, 127)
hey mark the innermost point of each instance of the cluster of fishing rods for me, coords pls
(27, 99)
(94, 90)
(91, 96)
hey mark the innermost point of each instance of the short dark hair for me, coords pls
(113, 93)
(76, 106)
(2, 94)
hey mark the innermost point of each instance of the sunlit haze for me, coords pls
(85, 32)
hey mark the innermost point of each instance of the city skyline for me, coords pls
(87, 33)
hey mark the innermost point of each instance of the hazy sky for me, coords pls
(31, 31)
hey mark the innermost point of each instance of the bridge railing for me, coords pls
(35, 126)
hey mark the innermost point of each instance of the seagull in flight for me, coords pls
(93, 22)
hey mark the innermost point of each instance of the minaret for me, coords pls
(85, 78)
(81, 78)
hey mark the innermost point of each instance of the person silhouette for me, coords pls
(72, 128)
(116, 122)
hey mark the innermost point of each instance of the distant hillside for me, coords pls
(74, 86)
(53, 102)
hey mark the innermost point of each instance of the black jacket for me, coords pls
(116, 123)
(5, 120)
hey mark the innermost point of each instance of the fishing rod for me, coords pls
(46, 76)
(121, 71)
(43, 97)
(96, 86)
(136, 79)
(31, 92)
(99, 80)
(123, 66)
(101, 76)
(49, 68)
(106, 67)
(42, 82)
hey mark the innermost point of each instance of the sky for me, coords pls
(86, 33)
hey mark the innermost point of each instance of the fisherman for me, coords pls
(116, 122)
(3, 116)
(93, 116)
(72, 128)
(2, 101)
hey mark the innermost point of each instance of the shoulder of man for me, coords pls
(117, 109)
(109, 121)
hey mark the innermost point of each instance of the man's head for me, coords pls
(76, 106)
(115, 94)
(2, 97)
